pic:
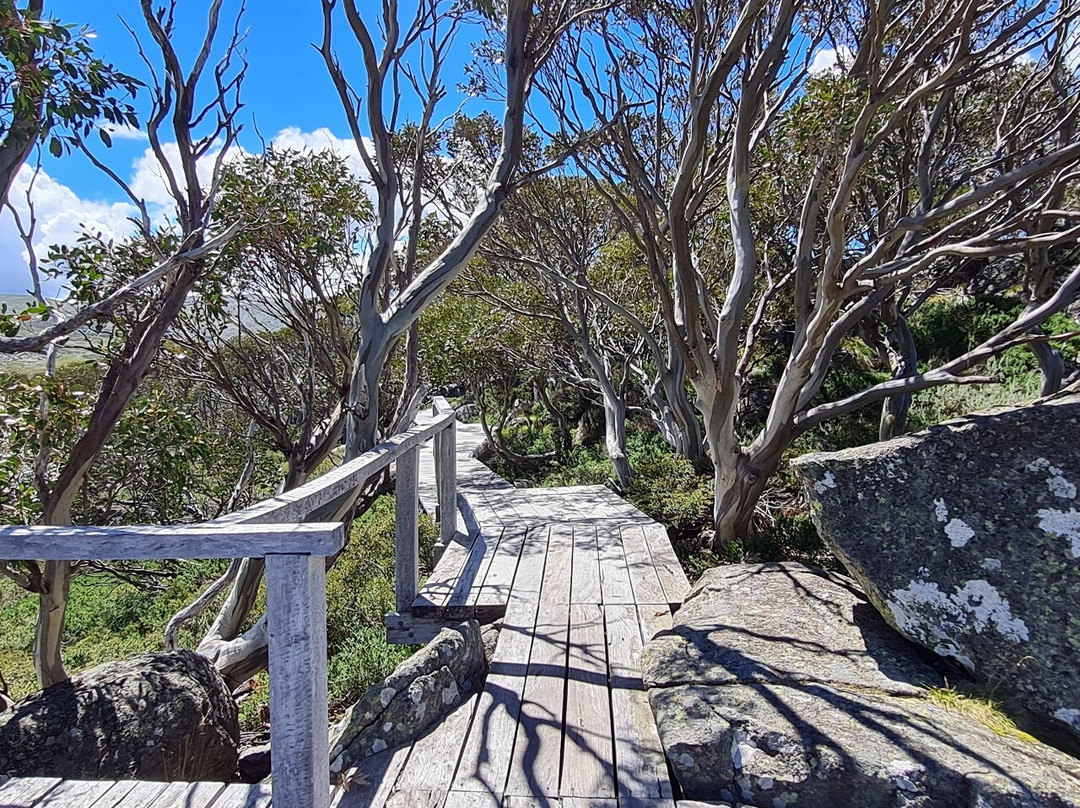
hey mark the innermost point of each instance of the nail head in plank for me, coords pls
(587, 769)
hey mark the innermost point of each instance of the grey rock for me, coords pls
(781, 623)
(162, 716)
(254, 763)
(490, 637)
(966, 537)
(420, 691)
(779, 686)
(815, 746)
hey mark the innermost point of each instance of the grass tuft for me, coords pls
(979, 707)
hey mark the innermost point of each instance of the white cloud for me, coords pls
(322, 139)
(831, 59)
(125, 132)
(61, 216)
(149, 183)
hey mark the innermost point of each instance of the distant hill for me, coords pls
(75, 349)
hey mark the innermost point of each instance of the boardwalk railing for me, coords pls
(295, 552)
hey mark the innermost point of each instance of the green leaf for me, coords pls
(55, 148)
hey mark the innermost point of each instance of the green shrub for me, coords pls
(359, 592)
(362, 658)
(790, 537)
(107, 619)
(665, 485)
(585, 465)
(668, 489)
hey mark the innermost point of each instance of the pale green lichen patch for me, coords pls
(1058, 485)
(825, 483)
(1065, 524)
(923, 609)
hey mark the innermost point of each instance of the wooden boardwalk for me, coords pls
(580, 579)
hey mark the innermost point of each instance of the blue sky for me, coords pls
(287, 94)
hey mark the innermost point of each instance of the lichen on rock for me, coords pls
(420, 691)
(966, 537)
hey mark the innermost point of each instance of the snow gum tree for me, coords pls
(755, 202)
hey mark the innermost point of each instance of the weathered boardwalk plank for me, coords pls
(434, 757)
(585, 586)
(374, 780)
(614, 575)
(189, 795)
(643, 578)
(668, 568)
(559, 569)
(485, 759)
(641, 768)
(26, 791)
(588, 747)
(537, 758)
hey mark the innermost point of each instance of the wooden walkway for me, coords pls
(580, 579)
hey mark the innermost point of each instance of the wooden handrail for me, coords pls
(141, 542)
(295, 553)
(297, 504)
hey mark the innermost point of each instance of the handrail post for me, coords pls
(299, 725)
(407, 541)
(446, 480)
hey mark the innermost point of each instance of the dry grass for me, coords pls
(979, 707)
